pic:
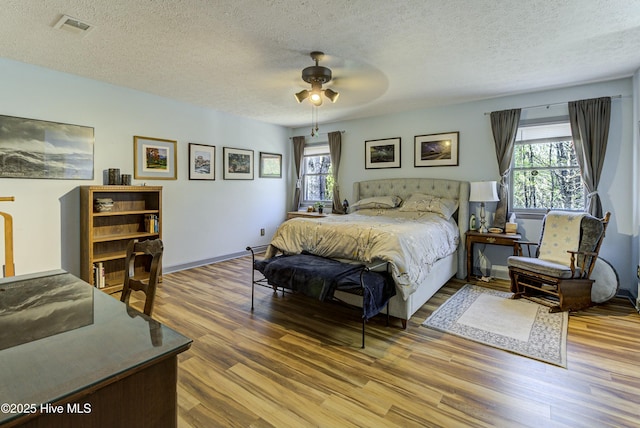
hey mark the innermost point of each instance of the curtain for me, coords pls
(590, 129)
(335, 147)
(298, 155)
(504, 125)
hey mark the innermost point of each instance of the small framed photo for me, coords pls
(270, 165)
(238, 164)
(202, 162)
(436, 149)
(154, 158)
(383, 153)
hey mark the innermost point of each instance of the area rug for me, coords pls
(492, 318)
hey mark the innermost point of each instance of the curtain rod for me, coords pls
(322, 133)
(552, 104)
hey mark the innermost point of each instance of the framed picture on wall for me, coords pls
(154, 158)
(202, 162)
(436, 149)
(383, 153)
(32, 148)
(238, 164)
(270, 165)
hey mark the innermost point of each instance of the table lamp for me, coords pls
(483, 191)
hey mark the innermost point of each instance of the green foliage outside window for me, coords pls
(546, 175)
(318, 179)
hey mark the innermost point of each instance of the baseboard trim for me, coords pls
(185, 266)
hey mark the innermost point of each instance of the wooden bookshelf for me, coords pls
(104, 235)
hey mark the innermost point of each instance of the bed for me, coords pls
(400, 236)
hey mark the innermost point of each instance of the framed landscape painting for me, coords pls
(383, 153)
(154, 158)
(202, 162)
(436, 149)
(270, 165)
(31, 148)
(238, 164)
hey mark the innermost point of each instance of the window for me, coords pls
(317, 178)
(544, 170)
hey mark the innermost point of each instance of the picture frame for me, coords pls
(436, 149)
(33, 148)
(202, 162)
(270, 165)
(237, 164)
(154, 158)
(383, 153)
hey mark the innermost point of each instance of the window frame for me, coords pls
(316, 149)
(538, 213)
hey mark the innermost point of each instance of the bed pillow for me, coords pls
(383, 202)
(428, 203)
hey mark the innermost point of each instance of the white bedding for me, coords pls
(410, 241)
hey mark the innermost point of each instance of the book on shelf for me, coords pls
(151, 224)
(98, 275)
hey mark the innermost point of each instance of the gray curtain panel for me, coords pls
(590, 121)
(504, 125)
(298, 154)
(335, 149)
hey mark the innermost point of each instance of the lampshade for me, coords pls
(483, 191)
(331, 94)
(302, 95)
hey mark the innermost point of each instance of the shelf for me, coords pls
(135, 212)
(116, 255)
(124, 236)
(111, 289)
(109, 256)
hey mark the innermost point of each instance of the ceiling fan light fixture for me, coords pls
(316, 75)
(302, 95)
(316, 98)
(331, 94)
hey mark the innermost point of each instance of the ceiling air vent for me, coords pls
(73, 25)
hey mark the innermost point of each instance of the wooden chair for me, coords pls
(133, 280)
(560, 268)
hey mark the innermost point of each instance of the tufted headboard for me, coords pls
(404, 187)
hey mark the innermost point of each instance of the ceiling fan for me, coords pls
(316, 75)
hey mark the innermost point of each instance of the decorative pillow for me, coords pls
(428, 203)
(383, 202)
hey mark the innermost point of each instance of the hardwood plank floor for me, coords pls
(296, 362)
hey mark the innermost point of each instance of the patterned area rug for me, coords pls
(492, 318)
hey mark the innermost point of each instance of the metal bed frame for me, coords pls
(362, 290)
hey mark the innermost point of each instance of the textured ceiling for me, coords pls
(245, 56)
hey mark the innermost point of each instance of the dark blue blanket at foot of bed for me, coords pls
(319, 277)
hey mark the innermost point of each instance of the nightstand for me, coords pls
(475, 237)
(294, 214)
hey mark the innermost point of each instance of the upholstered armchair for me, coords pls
(556, 270)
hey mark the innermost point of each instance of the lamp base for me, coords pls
(483, 220)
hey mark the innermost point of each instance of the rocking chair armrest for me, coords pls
(517, 247)
(585, 268)
(583, 253)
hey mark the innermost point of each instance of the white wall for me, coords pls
(477, 160)
(203, 220)
(635, 185)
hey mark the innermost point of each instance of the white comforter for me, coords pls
(410, 241)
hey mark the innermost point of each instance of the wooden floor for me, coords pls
(295, 362)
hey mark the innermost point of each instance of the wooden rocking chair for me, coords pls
(558, 273)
